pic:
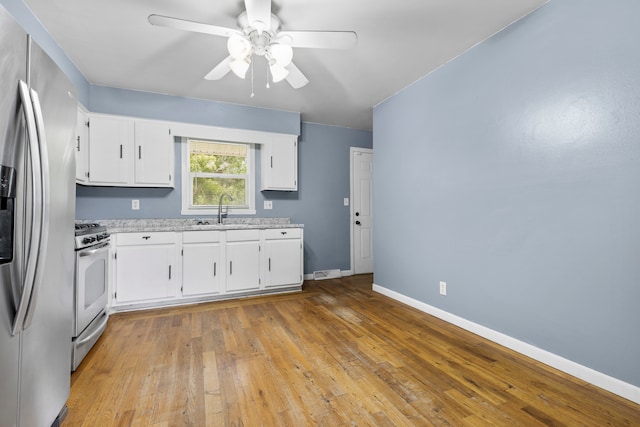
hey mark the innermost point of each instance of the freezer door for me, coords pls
(13, 58)
(46, 341)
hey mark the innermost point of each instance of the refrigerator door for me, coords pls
(46, 339)
(13, 59)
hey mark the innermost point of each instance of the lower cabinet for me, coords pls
(149, 271)
(283, 257)
(202, 270)
(243, 260)
(145, 266)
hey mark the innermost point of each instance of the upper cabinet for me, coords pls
(82, 147)
(279, 164)
(128, 152)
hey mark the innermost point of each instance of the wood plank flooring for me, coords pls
(335, 354)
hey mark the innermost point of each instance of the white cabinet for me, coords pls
(243, 260)
(279, 165)
(146, 267)
(130, 153)
(110, 150)
(82, 147)
(153, 154)
(283, 257)
(202, 271)
(215, 264)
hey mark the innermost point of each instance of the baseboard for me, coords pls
(614, 385)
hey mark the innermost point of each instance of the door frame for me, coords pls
(352, 151)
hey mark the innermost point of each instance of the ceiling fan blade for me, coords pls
(321, 39)
(220, 70)
(197, 27)
(259, 14)
(295, 77)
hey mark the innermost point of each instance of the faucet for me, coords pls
(220, 206)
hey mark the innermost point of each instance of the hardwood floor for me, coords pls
(335, 354)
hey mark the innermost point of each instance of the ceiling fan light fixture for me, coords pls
(282, 54)
(238, 46)
(278, 73)
(240, 67)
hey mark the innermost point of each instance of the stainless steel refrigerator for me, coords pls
(37, 208)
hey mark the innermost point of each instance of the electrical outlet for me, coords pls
(346, 201)
(135, 204)
(443, 288)
(268, 204)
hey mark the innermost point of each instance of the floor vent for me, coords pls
(326, 274)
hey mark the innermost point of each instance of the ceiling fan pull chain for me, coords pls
(268, 78)
(252, 94)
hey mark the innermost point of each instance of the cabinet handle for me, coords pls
(78, 143)
(230, 268)
(214, 269)
(139, 151)
(120, 150)
(169, 272)
(272, 161)
(269, 264)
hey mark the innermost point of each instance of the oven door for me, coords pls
(91, 284)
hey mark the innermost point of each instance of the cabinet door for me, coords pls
(279, 165)
(243, 265)
(82, 147)
(153, 154)
(201, 269)
(283, 262)
(111, 150)
(144, 273)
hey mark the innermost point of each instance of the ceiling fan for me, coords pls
(259, 34)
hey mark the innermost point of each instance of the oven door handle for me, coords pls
(100, 327)
(93, 250)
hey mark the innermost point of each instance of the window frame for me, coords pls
(187, 195)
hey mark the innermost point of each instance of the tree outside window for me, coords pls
(217, 168)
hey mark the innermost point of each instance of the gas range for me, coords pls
(90, 234)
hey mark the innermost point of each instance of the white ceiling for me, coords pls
(112, 44)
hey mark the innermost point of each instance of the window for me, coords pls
(213, 168)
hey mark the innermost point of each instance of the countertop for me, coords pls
(190, 224)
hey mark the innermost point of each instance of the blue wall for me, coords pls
(516, 179)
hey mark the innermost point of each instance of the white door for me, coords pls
(361, 213)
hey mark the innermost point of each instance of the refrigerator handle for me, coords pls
(44, 213)
(36, 208)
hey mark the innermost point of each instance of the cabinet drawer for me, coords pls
(242, 235)
(282, 233)
(154, 238)
(200, 236)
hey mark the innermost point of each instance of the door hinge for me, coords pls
(88, 174)
(115, 295)
(115, 255)
(169, 177)
(169, 131)
(87, 123)
(182, 252)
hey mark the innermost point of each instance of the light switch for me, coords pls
(346, 201)
(135, 204)
(268, 204)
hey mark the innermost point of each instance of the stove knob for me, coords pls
(99, 237)
(86, 240)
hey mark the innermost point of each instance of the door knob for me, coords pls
(357, 222)
(357, 213)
